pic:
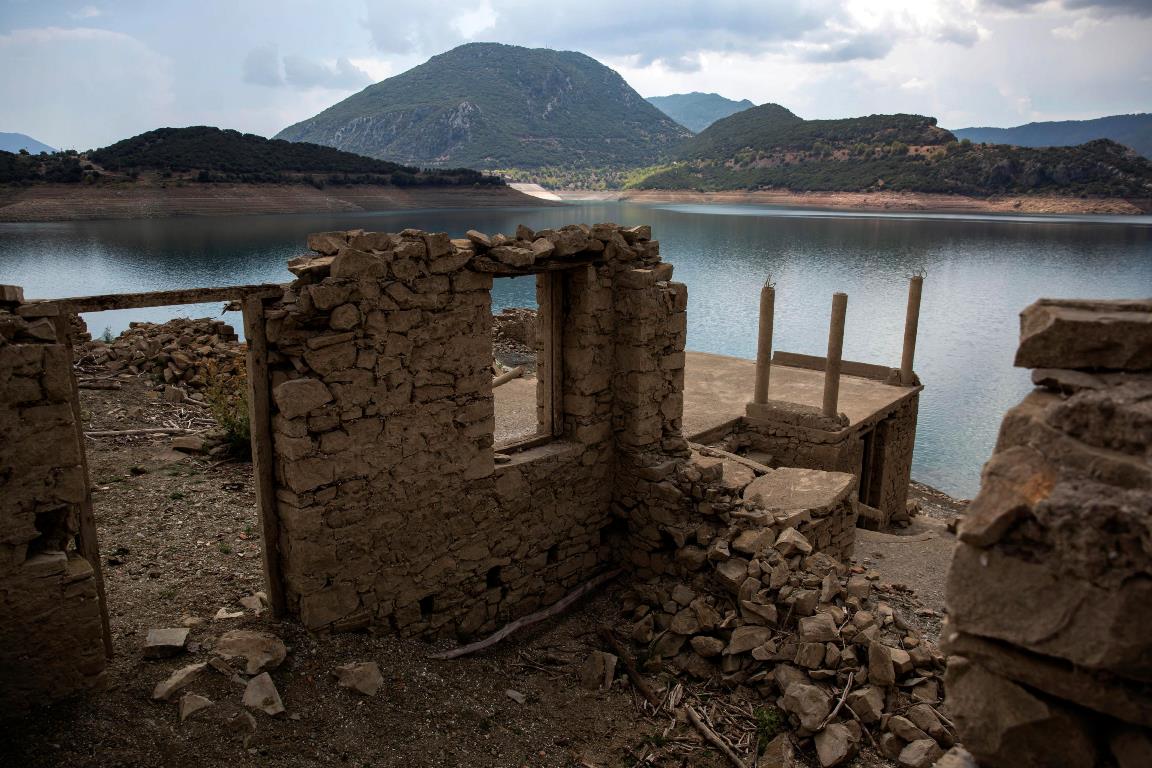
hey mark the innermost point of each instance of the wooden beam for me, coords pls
(263, 467)
(87, 540)
(76, 304)
(500, 269)
(554, 347)
(847, 367)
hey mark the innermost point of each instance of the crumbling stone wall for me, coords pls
(1048, 594)
(392, 507)
(50, 627)
(799, 437)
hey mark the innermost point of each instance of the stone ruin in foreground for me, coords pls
(384, 502)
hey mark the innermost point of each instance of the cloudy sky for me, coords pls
(84, 74)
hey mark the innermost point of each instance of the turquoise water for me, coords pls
(981, 271)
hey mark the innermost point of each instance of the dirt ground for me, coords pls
(180, 541)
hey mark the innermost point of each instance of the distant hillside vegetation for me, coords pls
(696, 111)
(206, 154)
(1133, 131)
(492, 106)
(14, 142)
(768, 147)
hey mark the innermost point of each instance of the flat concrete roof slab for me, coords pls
(717, 387)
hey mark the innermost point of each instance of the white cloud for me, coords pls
(87, 12)
(264, 66)
(82, 87)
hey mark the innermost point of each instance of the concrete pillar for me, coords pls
(835, 353)
(911, 324)
(764, 342)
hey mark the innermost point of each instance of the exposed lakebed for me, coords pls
(982, 270)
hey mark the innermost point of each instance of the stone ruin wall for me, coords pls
(1049, 591)
(799, 445)
(392, 507)
(50, 627)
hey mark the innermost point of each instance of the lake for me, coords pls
(981, 271)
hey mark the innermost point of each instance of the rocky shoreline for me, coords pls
(68, 202)
(895, 202)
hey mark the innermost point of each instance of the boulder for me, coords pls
(820, 628)
(162, 643)
(1003, 724)
(922, 753)
(746, 638)
(1092, 335)
(361, 676)
(191, 703)
(261, 651)
(792, 542)
(177, 680)
(598, 671)
(261, 694)
(707, 647)
(880, 669)
(808, 703)
(867, 703)
(834, 745)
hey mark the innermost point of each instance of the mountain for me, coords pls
(768, 147)
(14, 142)
(696, 111)
(1133, 131)
(206, 154)
(493, 106)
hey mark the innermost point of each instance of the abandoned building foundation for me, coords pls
(385, 501)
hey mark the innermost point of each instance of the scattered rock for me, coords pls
(834, 745)
(516, 696)
(362, 676)
(256, 602)
(224, 613)
(261, 694)
(260, 650)
(177, 680)
(164, 643)
(808, 703)
(190, 703)
(922, 753)
(598, 671)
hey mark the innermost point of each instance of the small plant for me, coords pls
(176, 496)
(225, 549)
(227, 396)
(107, 336)
(770, 723)
(137, 471)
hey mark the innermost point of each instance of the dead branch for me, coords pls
(134, 432)
(657, 703)
(839, 704)
(533, 618)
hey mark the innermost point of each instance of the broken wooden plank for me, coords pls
(100, 303)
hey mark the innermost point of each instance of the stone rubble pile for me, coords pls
(1048, 633)
(752, 605)
(181, 353)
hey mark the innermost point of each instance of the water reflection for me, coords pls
(982, 270)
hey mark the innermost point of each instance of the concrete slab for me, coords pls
(717, 387)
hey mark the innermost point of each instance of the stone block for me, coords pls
(1093, 335)
(1005, 725)
(297, 397)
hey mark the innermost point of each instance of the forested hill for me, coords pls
(696, 111)
(768, 147)
(493, 106)
(1133, 131)
(207, 154)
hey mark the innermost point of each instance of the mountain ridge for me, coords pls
(14, 142)
(696, 110)
(1132, 130)
(769, 148)
(489, 106)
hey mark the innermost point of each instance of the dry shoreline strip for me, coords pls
(884, 201)
(69, 202)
